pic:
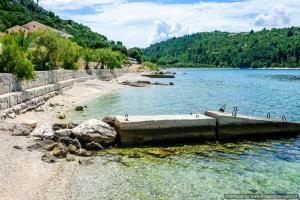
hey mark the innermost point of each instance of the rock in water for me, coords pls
(79, 108)
(60, 151)
(43, 131)
(48, 158)
(95, 131)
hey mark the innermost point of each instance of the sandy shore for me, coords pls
(23, 174)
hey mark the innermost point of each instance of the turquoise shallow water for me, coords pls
(205, 171)
(255, 92)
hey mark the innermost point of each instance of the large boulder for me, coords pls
(24, 128)
(43, 131)
(95, 131)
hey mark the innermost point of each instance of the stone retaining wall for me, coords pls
(21, 96)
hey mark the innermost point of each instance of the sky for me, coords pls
(140, 23)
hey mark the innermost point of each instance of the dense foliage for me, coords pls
(19, 12)
(44, 50)
(14, 56)
(103, 58)
(136, 53)
(266, 48)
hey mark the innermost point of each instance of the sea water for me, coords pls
(203, 171)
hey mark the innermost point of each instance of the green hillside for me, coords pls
(266, 48)
(19, 12)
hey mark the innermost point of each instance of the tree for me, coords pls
(70, 55)
(135, 53)
(46, 51)
(14, 57)
(87, 55)
(107, 58)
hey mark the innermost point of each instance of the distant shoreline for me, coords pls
(230, 68)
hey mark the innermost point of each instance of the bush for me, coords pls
(150, 66)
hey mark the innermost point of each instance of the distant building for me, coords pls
(17, 29)
(35, 26)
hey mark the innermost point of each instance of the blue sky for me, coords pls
(141, 23)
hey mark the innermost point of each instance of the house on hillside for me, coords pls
(35, 26)
(17, 29)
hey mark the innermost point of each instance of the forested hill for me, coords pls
(266, 48)
(19, 12)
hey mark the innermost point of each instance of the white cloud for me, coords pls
(164, 31)
(279, 16)
(140, 23)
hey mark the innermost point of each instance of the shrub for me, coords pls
(150, 66)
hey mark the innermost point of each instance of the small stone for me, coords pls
(17, 147)
(39, 110)
(79, 108)
(72, 149)
(67, 141)
(48, 145)
(33, 147)
(53, 105)
(70, 159)
(93, 146)
(48, 158)
(61, 117)
(11, 115)
(81, 152)
(57, 127)
(60, 151)
(84, 153)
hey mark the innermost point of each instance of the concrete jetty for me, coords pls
(166, 129)
(243, 126)
(160, 129)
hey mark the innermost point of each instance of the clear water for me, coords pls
(255, 92)
(205, 171)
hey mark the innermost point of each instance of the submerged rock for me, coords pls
(95, 131)
(79, 108)
(159, 153)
